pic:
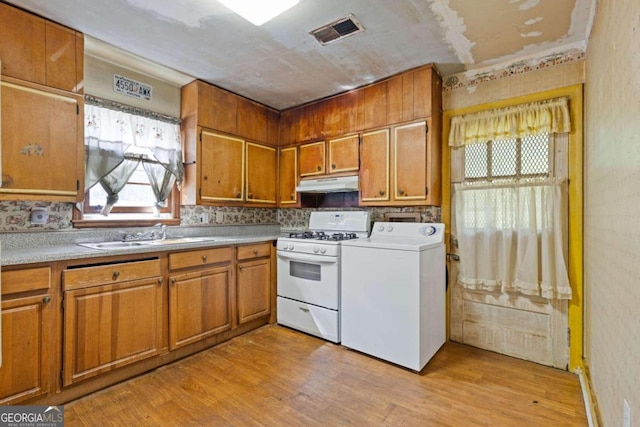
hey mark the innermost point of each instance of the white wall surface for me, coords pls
(612, 209)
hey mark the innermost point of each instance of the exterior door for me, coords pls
(526, 327)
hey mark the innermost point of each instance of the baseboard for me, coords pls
(590, 402)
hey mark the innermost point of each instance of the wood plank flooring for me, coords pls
(278, 377)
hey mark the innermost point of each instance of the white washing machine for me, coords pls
(393, 298)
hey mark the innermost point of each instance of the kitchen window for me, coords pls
(133, 164)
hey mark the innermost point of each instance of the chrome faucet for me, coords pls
(157, 232)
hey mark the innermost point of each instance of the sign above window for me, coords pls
(132, 88)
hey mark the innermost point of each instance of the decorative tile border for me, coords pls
(14, 215)
(469, 78)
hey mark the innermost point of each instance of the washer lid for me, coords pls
(407, 244)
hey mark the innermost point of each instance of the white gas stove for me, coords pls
(309, 272)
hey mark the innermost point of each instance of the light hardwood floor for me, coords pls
(278, 377)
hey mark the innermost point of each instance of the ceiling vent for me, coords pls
(337, 30)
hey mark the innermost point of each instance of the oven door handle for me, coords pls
(308, 258)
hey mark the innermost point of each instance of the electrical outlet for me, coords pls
(219, 217)
(204, 217)
(39, 216)
(626, 414)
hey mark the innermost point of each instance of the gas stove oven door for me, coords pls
(309, 278)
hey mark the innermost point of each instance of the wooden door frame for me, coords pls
(575, 261)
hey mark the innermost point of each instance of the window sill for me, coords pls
(99, 221)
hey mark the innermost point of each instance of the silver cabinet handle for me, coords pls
(304, 310)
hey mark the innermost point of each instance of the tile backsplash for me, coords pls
(15, 215)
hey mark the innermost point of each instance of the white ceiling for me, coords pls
(279, 64)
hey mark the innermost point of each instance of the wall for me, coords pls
(99, 82)
(612, 204)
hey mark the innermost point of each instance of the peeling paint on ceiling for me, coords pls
(279, 64)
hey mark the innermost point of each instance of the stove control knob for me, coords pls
(316, 249)
(431, 230)
(389, 228)
(323, 250)
(290, 247)
(381, 228)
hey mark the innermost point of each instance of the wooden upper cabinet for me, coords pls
(375, 105)
(312, 159)
(252, 120)
(344, 154)
(410, 161)
(22, 44)
(222, 167)
(61, 57)
(374, 168)
(288, 177)
(261, 174)
(41, 131)
(38, 51)
(216, 108)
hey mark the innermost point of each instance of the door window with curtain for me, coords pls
(510, 208)
(132, 162)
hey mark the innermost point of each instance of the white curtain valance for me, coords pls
(551, 116)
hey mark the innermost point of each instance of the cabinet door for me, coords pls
(261, 174)
(26, 352)
(22, 45)
(199, 305)
(312, 159)
(110, 326)
(344, 155)
(252, 120)
(221, 168)
(374, 169)
(60, 50)
(410, 161)
(253, 292)
(288, 176)
(42, 149)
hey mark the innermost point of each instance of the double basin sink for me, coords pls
(139, 243)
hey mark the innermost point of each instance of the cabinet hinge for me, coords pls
(77, 185)
(200, 136)
(568, 337)
(200, 192)
(426, 128)
(77, 110)
(62, 376)
(426, 191)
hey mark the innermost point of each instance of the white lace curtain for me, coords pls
(511, 234)
(511, 238)
(551, 116)
(115, 144)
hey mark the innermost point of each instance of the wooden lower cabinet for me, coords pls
(27, 335)
(200, 295)
(111, 325)
(199, 305)
(254, 282)
(26, 355)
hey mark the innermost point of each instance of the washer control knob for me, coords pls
(381, 228)
(290, 247)
(389, 228)
(316, 249)
(323, 250)
(431, 230)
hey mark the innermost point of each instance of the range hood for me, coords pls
(329, 185)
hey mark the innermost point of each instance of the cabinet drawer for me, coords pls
(254, 251)
(199, 258)
(108, 274)
(29, 279)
